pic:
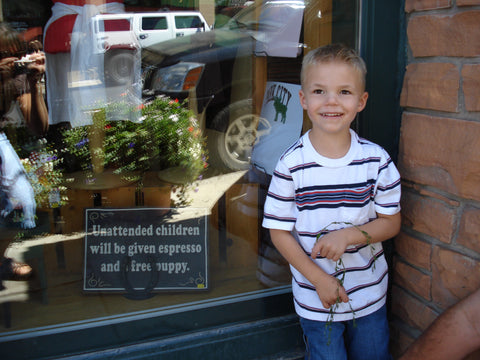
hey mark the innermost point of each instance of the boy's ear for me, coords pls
(303, 101)
(362, 101)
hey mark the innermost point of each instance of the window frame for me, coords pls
(382, 44)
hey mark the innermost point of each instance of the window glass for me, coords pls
(186, 22)
(134, 185)
(154, 23)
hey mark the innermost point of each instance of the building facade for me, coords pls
(437, 252)
(149, 255)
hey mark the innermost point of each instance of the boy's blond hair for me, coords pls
(334, 53)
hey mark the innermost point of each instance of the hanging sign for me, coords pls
(280, 125)
(142, 250)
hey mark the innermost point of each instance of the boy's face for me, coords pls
(332, 95)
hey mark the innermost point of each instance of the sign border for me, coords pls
(140, 293)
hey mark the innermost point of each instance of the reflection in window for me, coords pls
(192, 152)
(187, 22)
(154, 23)
(116, 25)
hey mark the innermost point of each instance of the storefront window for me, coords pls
(144, 198)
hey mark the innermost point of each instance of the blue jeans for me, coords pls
(364, 338)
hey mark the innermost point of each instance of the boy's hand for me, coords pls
(331, 246)
(330, 290)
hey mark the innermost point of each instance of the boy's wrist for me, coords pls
(320, 277)
(348, 236)
(354, 236)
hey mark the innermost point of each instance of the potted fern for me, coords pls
(164, 137)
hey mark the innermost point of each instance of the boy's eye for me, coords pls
(345, 92)
(318, 91)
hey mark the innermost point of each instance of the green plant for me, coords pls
(165, 135)
(45, 175)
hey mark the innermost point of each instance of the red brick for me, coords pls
(469, 234)
(441, 152)
(454, 276)
(418, 5)
(414, 251)
(468, 2)
(411, 310)
(410, 278)
(445, 35)
(428, 216)
(433, 193)
(471, 86)
(431, 86)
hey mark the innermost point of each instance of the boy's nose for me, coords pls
(332, 98)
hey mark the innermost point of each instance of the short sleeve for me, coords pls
(280, 211)
(387, 187)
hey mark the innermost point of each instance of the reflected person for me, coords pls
(23, 116)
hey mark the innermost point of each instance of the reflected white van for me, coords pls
(118, 36)
(151, 27)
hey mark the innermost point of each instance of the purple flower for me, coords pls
(81, 143)
(131, 145)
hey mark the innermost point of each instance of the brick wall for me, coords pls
(437, 260)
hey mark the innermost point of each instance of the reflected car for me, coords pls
(214, 69)
(120, 35)
(116, 41)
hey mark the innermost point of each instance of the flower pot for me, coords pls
(176, 175)
(105, 179)
(156, 193)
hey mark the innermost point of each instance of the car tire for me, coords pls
(230, 145)
(119, 66)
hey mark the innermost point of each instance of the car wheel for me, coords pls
(231, 149)
(119, 67)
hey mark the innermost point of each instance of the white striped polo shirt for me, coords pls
(309, 193)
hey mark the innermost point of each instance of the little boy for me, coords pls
(334, 197)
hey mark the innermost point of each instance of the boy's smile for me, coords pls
(332, 95)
